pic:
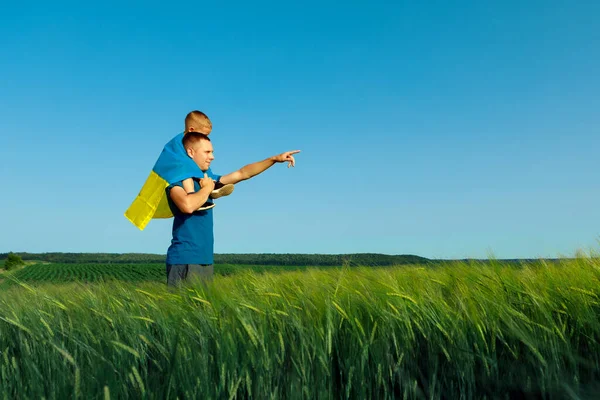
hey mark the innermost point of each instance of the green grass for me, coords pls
(460, 331)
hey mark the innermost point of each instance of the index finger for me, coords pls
(294, 152)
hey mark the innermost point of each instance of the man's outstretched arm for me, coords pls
(256, 168)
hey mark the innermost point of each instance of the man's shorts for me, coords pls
(179, 273)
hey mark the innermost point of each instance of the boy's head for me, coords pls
(199, 148)
(197, 121)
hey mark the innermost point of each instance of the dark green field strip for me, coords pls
(57, 273)
(94, 272)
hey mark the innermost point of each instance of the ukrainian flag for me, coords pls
(173, 165)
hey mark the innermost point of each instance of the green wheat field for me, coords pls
(456, 330)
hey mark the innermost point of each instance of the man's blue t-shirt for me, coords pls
(193, 240)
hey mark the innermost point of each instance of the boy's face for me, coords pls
(202, 154)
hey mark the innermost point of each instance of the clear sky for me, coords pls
(442, 129)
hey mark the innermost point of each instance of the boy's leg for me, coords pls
(206, 206)
(221, 190)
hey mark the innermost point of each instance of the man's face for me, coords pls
(202, 154)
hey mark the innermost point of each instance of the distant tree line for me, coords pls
(72, 258)
(363, 259)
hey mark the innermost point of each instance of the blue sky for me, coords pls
(442, 129)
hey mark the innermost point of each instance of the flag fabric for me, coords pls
(173, 165)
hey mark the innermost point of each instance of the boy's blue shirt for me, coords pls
(193, 238)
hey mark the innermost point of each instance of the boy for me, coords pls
(197, 121)
(191, 251)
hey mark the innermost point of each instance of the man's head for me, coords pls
(199, 148)
(197, 121)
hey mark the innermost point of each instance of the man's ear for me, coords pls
(190, 152)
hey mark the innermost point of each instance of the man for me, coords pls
(192, 247)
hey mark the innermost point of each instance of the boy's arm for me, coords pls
(258, 167)
(190, 202)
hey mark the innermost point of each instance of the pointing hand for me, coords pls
(288, 157)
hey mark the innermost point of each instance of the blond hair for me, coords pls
(197, 121)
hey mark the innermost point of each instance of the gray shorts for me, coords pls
(179, 273)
